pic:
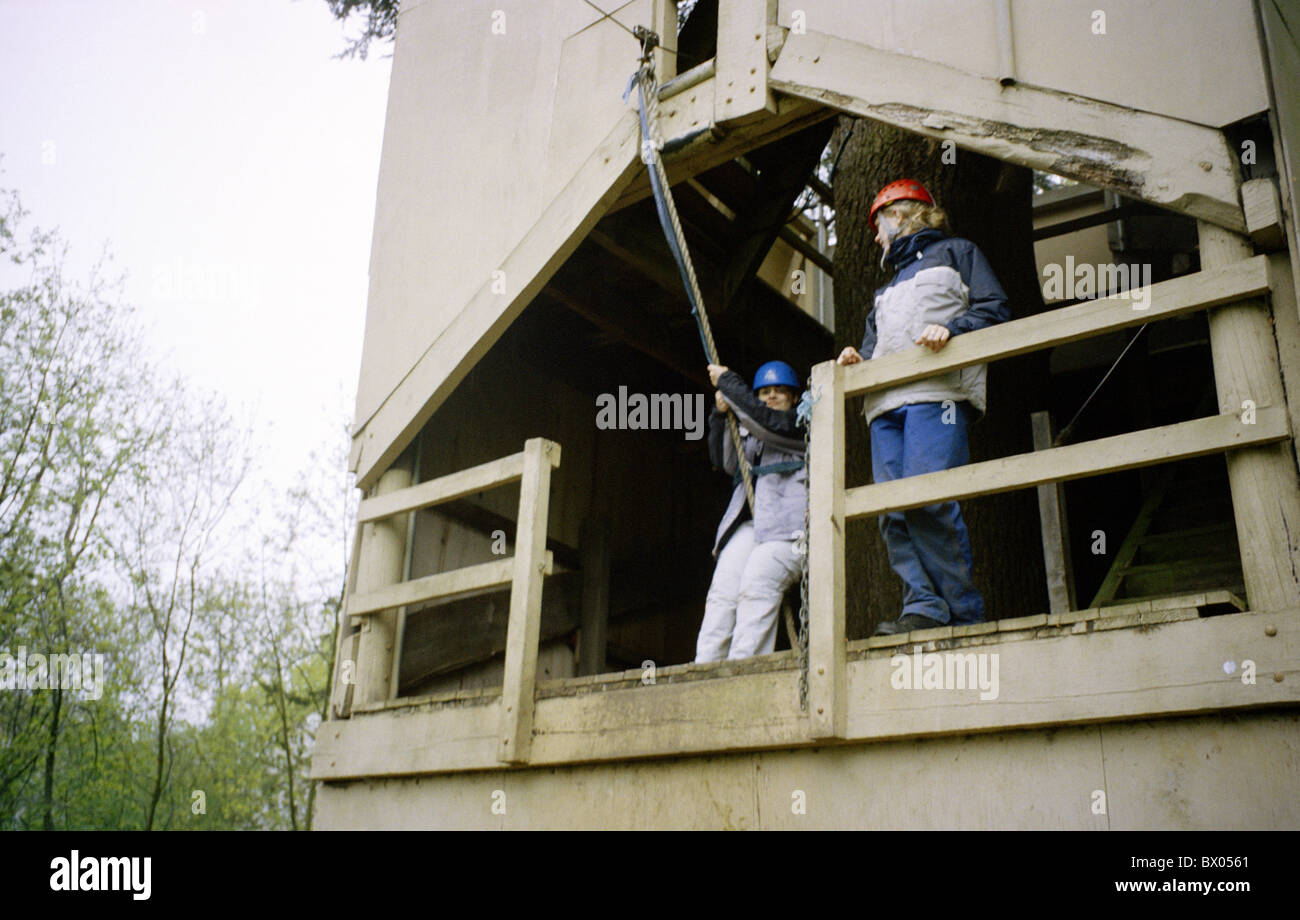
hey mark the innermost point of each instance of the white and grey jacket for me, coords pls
(773, 442)
(942, 280)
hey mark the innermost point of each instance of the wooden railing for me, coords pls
(522, 573)
(1240, 342)
(831, 505)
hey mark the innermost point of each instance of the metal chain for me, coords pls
(650, 148)
(801, 544)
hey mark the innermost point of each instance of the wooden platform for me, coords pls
(1148, 660)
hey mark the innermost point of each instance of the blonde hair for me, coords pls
(916, 215)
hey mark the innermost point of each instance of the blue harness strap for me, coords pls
(785, 466)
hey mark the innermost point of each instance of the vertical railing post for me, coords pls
(382, 551)
(1055, 529)
(520, 680)
(1265, 491)
(827, 680)
(593, 549)
(741, 64)
(343, 684)
(664, 21)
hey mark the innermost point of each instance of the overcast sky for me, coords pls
(230, 164)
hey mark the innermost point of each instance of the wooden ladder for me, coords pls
(1183, 538)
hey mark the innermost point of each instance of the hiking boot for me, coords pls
(906, 623)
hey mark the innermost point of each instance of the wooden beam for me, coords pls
(1150, 665)
(1109, 215)
(689, 79)
(1133, 540)
(624, 331)
(1265, 492)
(383, 553)
(1207, 288)
(807, 250)
(444, 488)
(663, 20)
(742, 65)
(658, 270)
(1263, 209)
(563, 224)
(1075, 461)
(1166, 161)
(1055, 529)
(686, 114)
(465, 582)
(783, 172)
(460, 633)
(345, 646)
(1286, 329)
(827, 679)
(486, 522)
(519, 684)
(595, 594)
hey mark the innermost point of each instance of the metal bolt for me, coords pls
(821, 670)
(819, 710)
(1277, 677)
(1270, 630)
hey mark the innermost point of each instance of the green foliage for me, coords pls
(122, 536)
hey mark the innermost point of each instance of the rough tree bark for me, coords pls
(989, 202)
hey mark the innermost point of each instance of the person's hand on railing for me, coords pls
(849, 356)
(934, 336)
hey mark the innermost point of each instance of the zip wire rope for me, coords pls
(651, 144)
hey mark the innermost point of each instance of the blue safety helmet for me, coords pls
(776, 374)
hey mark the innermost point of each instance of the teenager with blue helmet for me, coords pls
(756, 558)
(942, 286)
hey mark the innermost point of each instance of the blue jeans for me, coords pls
(928, 546)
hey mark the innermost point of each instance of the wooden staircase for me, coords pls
(1183, 539)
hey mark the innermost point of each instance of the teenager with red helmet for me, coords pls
(942, 286)
(756, 557)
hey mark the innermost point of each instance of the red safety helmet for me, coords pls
(902, 190)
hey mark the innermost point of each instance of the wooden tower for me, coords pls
(525, 587)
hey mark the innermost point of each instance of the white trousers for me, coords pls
(740, 612)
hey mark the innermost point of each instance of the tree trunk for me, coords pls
(160, 747)
(51, 748)
(988, 202)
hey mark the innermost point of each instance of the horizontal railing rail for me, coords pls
(831, 505)
(1188, 294)
(444, 489)
(522, 573)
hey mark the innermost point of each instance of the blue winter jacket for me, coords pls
(771, 439)
(938, 279)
